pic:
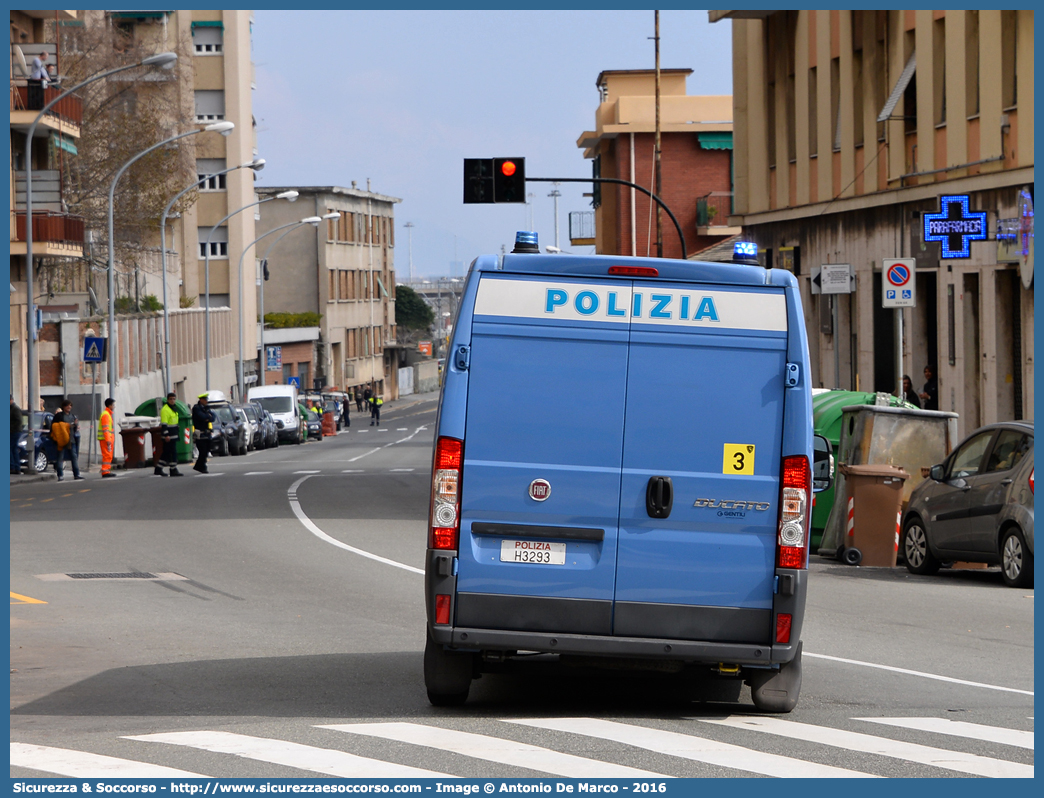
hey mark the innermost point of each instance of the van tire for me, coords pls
(777, 691)
(447, 674)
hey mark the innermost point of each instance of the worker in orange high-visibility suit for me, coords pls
(107, 438)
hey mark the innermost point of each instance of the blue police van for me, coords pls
(622, 469)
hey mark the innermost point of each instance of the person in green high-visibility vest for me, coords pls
(169, 432)
(375, 409)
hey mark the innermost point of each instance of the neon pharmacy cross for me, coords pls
(955, 226)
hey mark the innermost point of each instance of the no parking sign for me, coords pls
(898, 283)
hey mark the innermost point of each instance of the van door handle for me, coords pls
(659, 497)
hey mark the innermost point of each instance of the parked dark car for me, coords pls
(977, 506)
(269, 428)
(315, 424)
(45, 452)
(230, 432)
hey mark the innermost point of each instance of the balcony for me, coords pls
(712, 213)
(66, 115)
(54, 234)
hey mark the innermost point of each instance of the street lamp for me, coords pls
(164, 60)
(257, 165)
(409, 226)
(312, 220)
(287, 195)
(218, 127)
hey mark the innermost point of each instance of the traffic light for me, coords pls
(494, 180)
(509, 179)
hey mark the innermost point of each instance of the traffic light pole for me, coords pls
(618, 181)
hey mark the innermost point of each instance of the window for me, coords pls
(207, 40)
(971, 55)
(208, 168)
(857, 75)
(939, 71)
(343, 277)
(347, 232)
(286, 373)
(302, 374)
(331, 227)
(835, 100)
(1009, 58)
(813, 112)
(218, 242)
(332, 295)
(1008, 451)
(968, 458)
(210, 106)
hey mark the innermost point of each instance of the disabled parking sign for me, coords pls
(898, 285)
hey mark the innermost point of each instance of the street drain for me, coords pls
(114, 576)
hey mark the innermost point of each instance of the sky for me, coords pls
(402, 97)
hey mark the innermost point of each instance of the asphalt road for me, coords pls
(286, 601)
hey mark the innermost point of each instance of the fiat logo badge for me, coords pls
(539, 489)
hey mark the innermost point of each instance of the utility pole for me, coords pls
(409, 227)
(659, 174)
(556, 194)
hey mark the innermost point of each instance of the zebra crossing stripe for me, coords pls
(882, 746)
(495, 749)
(294, 755)
(687, 746)
(960, 728)
(81, 765)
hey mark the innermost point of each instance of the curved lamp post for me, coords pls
(287, 195)
(289, 227)
(257, 165)
(218, 127)
(164, 60)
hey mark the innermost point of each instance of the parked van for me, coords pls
(622, 469)
(281, 402)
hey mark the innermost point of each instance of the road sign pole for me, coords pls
(899, 353)
(837, 342)
(94, 412)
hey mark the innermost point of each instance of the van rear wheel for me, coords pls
(777, 691)
(447, 674)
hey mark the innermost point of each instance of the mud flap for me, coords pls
(777, 691)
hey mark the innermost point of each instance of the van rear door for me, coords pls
(705, 388)
(542, 455)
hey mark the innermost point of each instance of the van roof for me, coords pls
(271, 390)
(599, 265)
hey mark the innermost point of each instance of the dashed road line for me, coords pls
(401, 469)
(256, 473)
(308, 472)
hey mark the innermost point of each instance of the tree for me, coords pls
(412, 313)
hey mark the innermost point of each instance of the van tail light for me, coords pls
(783, 622)
(445, 493)
(442, 608)
(795, 500)
(1031, 481)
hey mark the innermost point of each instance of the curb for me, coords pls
(28, 479)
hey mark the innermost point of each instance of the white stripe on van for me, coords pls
(619, 303)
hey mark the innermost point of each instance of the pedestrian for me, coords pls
(358, 400)
(930, 393)
(65, 428)
(169, 433)
(375, 409)
(366, 396)
(345, 408)
(107, 437)
(909, 394)
(203, 419)
(16, 434)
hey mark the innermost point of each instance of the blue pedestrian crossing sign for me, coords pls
(295, 381)
(94, 350)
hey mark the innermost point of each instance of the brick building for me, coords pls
(696, 163)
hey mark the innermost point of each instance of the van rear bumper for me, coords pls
(612, 646)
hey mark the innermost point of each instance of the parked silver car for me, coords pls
(977, 506)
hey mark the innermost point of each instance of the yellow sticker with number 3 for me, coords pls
(738, 459)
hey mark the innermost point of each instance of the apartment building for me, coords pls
(696, 160)
(58, 236)
(344, 271)
(865, 135)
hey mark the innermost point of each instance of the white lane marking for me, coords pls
(311, 527)
(295, 755)
(401, 429)
(382, 430)
(960, 728)
(255, 473)
(361, 456)
(917, 673)
(882, 746)
(354, 471)
(687, 746)
(81, 765)
(402, 469)
(495, 749)
(308, 472)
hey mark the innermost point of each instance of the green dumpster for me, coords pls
(826, 421)
(151, 407)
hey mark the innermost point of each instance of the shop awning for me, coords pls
(720, 140)
(58, 140)
(208, 23)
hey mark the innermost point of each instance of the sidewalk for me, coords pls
(50, 475)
